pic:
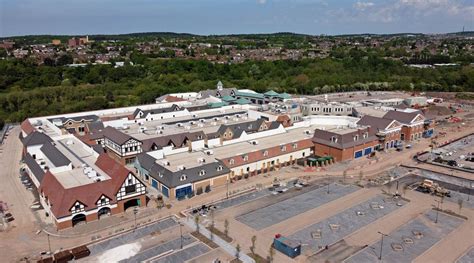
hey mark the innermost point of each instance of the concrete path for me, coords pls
(220, 242)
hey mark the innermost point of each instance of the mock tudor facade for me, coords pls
(68, 207)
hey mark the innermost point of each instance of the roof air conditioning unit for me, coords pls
(254, 142)
(209, 152)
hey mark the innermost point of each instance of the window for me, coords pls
(160, 174)
(231, 161)
(77, 207)
(295, 145)
(283, 148)
(130, 189)
(81, 129)
(130, 180)
(219, 168)
(183, 177)
(334, 139)
(202, 172)
(265, 153)
(245, 157)
(356, 138)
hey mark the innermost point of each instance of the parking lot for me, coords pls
(459, 188)
(335, 228)
(467, 258)
(278, 212)
(410, 240)
(98, 248)
(459, 153)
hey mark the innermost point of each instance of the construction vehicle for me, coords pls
(428, 186)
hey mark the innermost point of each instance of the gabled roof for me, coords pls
(403, 117)
(228, 98)
(115, 135)
(345, 140)
(242, 101)
(26, 127)
(284, 95)
(172, 108)
(249, 94)
(54, 155)
(62, 199)
(271, 93)
(178, 140)
(172, 179)
(36, 138)
(95, 126)
(376, 122)
(34, 167)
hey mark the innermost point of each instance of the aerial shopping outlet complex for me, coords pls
(90, 164)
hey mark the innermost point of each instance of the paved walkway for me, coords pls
(220, 242)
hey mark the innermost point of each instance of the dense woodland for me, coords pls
(28, 90)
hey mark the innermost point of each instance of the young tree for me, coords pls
(237, 253)
(254, 241)
(212, 225)
(196, 221)
(460, 204)
(271, 253)
(226, 228)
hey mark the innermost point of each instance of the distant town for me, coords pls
(412, 48)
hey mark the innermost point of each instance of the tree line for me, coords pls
(28, 90)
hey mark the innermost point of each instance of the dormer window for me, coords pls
(356, 138)
(183, 177)
(365, 135)
(283, 148)
(77, 206)
(160, 174)
(334, 139)
(295, 145)
(202, 172)
(265, 153)
(245, 157)
(231, 161)
(219, 168)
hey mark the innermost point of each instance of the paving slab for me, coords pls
(278, 212)
(185, 254)
(346, 222)
(425, 224)
(467, 258)
(154, 251)
(123, 239)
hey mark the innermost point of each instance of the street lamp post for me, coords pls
(135, 211)
(381, 244)
(328, 182)
(181, 234)
(437, 210)
(49, 243)
(227, 185)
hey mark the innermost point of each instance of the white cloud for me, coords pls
(398, 10)
(261, 2)
(363, 5)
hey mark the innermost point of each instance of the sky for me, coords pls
(206, 17)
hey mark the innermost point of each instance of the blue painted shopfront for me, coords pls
(358, 154)
(165, 191)
(184, 191)
(154, 183)
(367, 151)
